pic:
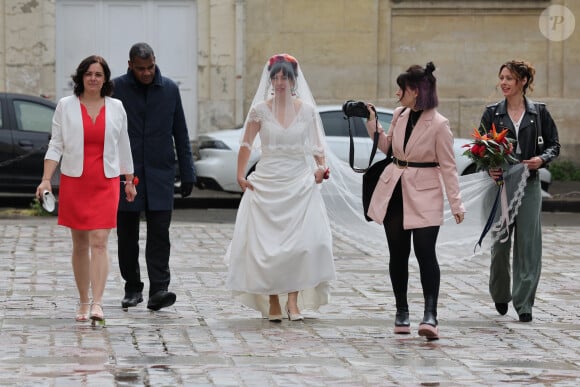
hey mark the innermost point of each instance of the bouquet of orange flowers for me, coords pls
(491, 150)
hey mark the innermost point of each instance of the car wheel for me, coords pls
(469, 170)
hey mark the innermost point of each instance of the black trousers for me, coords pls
(399, 241)
(157, 249)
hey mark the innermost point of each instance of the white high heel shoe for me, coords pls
(294, 316)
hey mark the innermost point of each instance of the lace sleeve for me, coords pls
(251, 129)
(316, 133)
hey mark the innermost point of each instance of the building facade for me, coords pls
(348, 49)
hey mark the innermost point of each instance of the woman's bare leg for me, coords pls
(293, 303)
(275, 309)
(81, 268)
(99, 266)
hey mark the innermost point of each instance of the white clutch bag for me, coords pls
(48, 201)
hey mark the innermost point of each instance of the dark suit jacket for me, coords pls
(156, 122)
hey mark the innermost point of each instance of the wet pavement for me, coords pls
(206, 339)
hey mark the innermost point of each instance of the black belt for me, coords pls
(405, 164)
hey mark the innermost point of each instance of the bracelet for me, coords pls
(135, 181)
(45, 179)
(321, 167)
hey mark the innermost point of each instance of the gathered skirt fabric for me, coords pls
(282, 240)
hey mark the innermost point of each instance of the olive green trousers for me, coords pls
(526, 232)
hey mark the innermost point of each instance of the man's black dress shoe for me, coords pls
(131, 299)
(501, 307)
(525, 317)
(161, 299)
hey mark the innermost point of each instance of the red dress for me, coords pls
(90, 201)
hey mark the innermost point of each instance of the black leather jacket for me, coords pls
(528, 132)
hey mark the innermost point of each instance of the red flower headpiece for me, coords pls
(282, 58)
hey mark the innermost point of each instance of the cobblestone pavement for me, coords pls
(206, 339)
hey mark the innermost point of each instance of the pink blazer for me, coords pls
(431, 140)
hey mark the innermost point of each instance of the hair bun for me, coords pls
(429, 68)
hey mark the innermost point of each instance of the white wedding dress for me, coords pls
(282, 239)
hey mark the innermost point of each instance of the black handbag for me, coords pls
(372, 173)
(370, 180)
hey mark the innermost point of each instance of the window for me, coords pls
(334, 124)
(33, 117)
(385, 120)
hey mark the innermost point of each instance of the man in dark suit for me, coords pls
(156, 122)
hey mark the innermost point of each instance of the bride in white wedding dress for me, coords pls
(281, 249)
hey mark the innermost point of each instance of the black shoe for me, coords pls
(428, 327)
(525, 317)
(161, 299)
(402, 323)
(501, 307)
(430, 318)
(131, 299)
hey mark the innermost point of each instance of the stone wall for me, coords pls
(355, 50)
(27, 47)
(347, 49)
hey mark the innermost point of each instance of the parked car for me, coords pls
(217, 152)
(25, 130)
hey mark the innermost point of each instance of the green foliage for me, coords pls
(37, 209)
(564, 171)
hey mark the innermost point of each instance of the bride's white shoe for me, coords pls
(294, 316)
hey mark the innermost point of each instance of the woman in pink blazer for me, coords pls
(408, 198)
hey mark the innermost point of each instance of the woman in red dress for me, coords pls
(90, 139)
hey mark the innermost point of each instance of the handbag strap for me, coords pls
(373, 151)
(375, 142)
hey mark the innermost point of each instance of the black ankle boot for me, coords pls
(428, 326)
(430, 318)
(402, 323)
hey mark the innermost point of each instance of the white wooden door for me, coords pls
(110, 27)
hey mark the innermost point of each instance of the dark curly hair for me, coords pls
(424, 82)
(521, 70)
(83, 67)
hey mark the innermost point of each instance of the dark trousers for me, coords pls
(157, 248)
(527, 254)
(399, 241)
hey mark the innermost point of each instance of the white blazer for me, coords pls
(67, 141)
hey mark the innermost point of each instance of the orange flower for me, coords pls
(490, 150)
(501, 137)
(476, 134)
(493, 132)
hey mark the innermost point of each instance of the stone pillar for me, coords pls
(28, 47)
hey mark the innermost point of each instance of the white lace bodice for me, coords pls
(304, 135)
